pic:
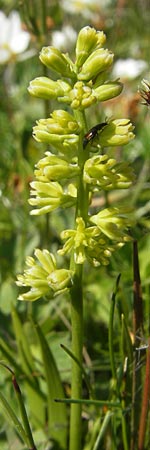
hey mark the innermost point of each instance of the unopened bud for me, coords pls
(108, 90)
(97, 62)
(46, 88)
(57, 61)
(88, 40)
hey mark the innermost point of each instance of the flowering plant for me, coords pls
(68, 176)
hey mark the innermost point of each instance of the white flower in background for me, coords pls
(13, 39)
(64, 39)
(84, 7)
(129, 68)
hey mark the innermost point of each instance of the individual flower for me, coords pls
(42, 277)
(49, 196)
(86, 243)
(145, 92)
(55, 168)
(60, 130)
(107, 174)
(46, 88)
(58, 125)
(88, 40)
(117, 132)
(99, 61)
(113, 222)
(59, 62)
(107, 90)
(128, 68)
(13, 39)
(64, 38)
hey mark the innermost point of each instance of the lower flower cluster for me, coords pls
(43, 278)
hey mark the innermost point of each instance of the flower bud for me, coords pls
(57, 61)
(46, 88)
(66, 121)
(81, 96)
(60, 280)
(97, 62)
(117, 132)
(88, 40)
(108, 90)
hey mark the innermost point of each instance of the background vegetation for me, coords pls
(126, 25)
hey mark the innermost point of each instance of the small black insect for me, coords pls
(93, 132)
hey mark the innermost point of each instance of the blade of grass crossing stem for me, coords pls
(102, 431)
(12, 416)
(123, 384)
(110, 334)
(25, 432)
(57, 412)
(69, 352)
(23, 413)
(127, 340)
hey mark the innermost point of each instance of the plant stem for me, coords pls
(77, 305)
(145, 402)
(77, 344)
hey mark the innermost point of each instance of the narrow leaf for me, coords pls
(57, 413)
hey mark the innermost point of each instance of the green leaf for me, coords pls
(57, 412)
(12, 416)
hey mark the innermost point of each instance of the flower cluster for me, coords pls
(107, 173)
(43, 278)
(87, 243)
(67, 176)
(88, 75)
(61, 130)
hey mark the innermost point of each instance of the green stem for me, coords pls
(77, 344)
(77, 306)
